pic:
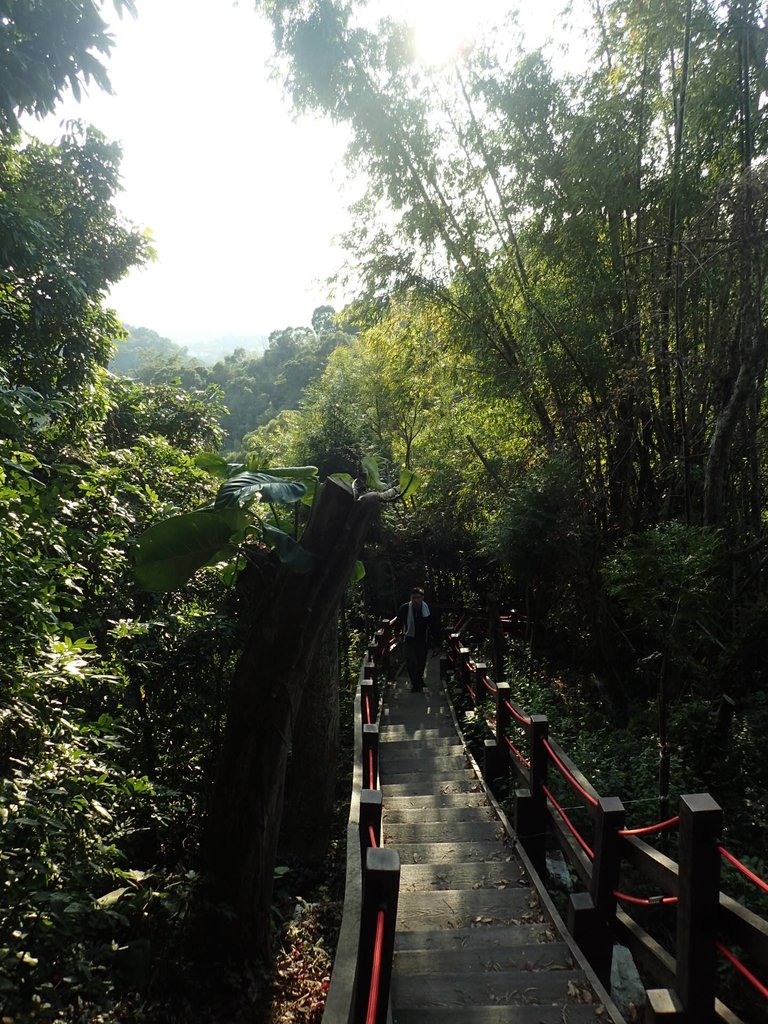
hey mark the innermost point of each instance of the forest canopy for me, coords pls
(559, 333)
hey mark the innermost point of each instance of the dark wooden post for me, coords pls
(693, 999)
(701, 822)
(370, 817)
(464, 656)
(370, 757)
(386, 637)
(531, 804)
(725, 711)
(591, 915)
(381, 886)
(496, 636)
(368, 702)
(371, 676)
(496, 760)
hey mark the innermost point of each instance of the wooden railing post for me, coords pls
(381, 886)
(693, 1000)
(591, 915)
(496, 761)
(531, 804)
(464, 656)
(386, 638)
(496, 637)
(370, 757)
(370, 665)
(368, 704)
(370, 817)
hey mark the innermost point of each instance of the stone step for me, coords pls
(402, 815)
(571, 1012)
(451, 853)
(472, 990)
(419, 763)
(416, 732)
(475, 875)
(476, 938)
(465, 908)
(436, 778)
(443, 832)
(532, 956)
(427, 802)
(444, 746)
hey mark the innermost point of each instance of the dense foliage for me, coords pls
(560, 331)
(254, 387)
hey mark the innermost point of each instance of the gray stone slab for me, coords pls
(476, 938)
(572, 1013)
(473, 875)
(530, 956)
(458, 812)
(436, 777)
(465, 908)
(500, 988)
(432, 801)
(451, 853)
(443, 832)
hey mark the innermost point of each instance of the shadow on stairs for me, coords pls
(478, 940)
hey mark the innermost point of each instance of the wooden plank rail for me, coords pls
(416, 799)
(708, 921)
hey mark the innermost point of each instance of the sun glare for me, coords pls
(442, 30)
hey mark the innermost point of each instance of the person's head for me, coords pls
(417, 596)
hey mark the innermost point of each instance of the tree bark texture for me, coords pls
(241, 837)
(310, 784)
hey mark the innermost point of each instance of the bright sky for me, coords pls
(243, 202)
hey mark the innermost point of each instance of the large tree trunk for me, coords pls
(310, 783)
(240, 841)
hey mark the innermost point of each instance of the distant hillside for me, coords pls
(211, 350)
(143, 349)
(256, 383)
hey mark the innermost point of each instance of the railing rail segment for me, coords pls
(708, 923)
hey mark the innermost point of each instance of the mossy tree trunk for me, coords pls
(270, 679)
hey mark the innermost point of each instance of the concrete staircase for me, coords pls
(476, 942)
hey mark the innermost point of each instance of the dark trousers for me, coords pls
(415, 661)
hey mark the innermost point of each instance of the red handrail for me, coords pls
(372, 837)
(522, 719)
(569, 776)
(569, 823)
(373, 994)
(516, 752)
(645, 901)
(370, 769)
(745, 971)
(755, 879)
(489, 686)
(659, 827)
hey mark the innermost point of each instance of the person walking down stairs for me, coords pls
(414, 621)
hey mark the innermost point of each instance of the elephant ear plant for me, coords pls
(277, 663)
(170, 552)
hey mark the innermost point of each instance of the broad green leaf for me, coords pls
(409, 482)
(309, 495)
(216, 465)
(243, 489)
(357, 572)
(371, 466)
(109, 899)
(290, 553)
(168, 553)
(253, 465)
